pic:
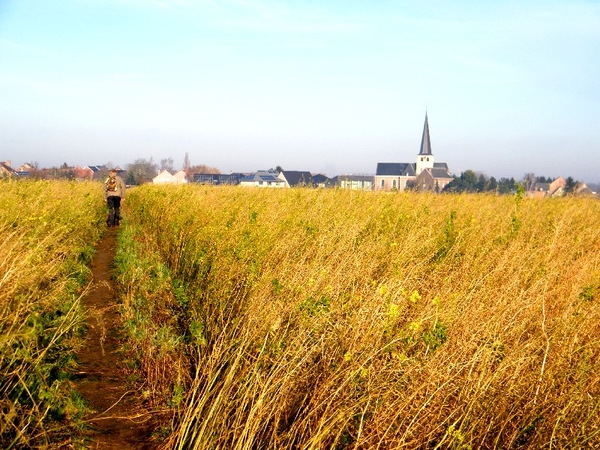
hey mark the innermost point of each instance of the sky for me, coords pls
(334, 87)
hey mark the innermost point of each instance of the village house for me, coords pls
(554, 189)
(218, 178)
(165, 177)
(6, 169)
(354, 182)
(321, 181)
(425, 174)
(25, 170)
(295, 178)
(83, 173)
(263, 178)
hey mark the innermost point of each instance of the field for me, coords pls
(47, 233)
(315, 319)
(312, 319)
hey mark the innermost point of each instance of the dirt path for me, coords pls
(116, 421)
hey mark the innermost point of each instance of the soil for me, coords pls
(116, 420)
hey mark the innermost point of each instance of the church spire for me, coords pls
(425, 141)
(425, 159)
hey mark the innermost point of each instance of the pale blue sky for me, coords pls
(326, 86)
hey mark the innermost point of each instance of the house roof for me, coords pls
(163, 177)
(4, 167)
(181, 175)
(320, 178)
(269, 176)
(97, 168)
(544, 187)
(438, 172)
(297, 178)
(425, 141)
(395, 169)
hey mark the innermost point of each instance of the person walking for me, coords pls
(114, 194)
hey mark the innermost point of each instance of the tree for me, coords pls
(481, 184)
(529, 181)
(130, 178)
(143, 170)
(543, 179)
(506, 185)
(492, 185)
(166, 164)
(469, 177)
(570, 187)
(201, 168)
(465, 183)
(186, 162)
(102, 174)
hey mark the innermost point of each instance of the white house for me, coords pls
(263, 178)
(165, 177)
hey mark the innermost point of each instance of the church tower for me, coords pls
(425, 157)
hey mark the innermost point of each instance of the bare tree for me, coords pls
(201, 168)
(186, 162)
(529, 180)
(141, 171)
(166, 164)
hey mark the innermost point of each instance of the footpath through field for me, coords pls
(116, 421)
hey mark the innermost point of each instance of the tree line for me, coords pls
(469, 181)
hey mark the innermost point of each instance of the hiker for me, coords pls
(114, 193)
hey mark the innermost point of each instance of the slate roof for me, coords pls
(268, 176)
(438, 172)
(395, 169)
(425, 141)
(297, 178)
(545, 187)
(97, 168)
(320, 179)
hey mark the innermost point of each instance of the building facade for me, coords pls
(423, 174)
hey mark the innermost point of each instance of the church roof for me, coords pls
(395, 169)
(425, 141)
(438, 172)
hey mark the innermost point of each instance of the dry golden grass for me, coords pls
(334, 319)
(47, 230)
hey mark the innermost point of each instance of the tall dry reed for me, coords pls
(336, 319)
(47, 232)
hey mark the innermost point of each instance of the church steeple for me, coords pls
(425, 141)
(425, 157)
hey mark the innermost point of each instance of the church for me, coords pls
(423, 175)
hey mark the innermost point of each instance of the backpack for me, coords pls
(111, 184)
